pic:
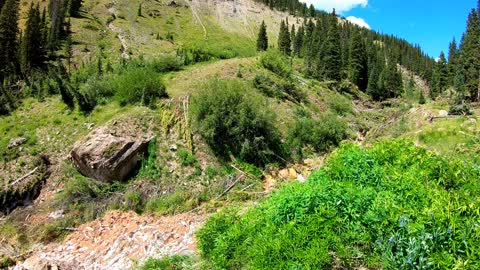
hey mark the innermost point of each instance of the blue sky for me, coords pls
(429, 23)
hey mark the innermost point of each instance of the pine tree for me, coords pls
(298, 42)
(32, 52)
(284, 44)
(469, 59)
(312, 11)
(332, 57)
(8, 38)
(1, 4)
(69, 52)
(358, 62)
(262, 40)
(56, 10)
(452, 61)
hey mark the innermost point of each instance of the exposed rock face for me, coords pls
(106, 156)
(114, 241)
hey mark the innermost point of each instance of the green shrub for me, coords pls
(462, 109)
(138, 86)
(167, 263)
(320, 134)
(187, 158)
(166, 63)
(267, 86)
(134, 201)
(276, 62)
(150, 168)
(385, 207)
(233, 120)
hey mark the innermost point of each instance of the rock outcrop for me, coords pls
(106, 156)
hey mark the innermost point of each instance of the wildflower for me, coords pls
(450, 231)
(391, 240)
(409, 262)
(378, 242)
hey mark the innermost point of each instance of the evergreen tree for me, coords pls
(69, 52)
(56, 10)
(284, 44)
(331, 54)
(32, 52)
(469, 59)
(1, 4)
(312, 11)
(8, 38)
(452, 61)
(358, 62)
(262, 40)
(298, 42)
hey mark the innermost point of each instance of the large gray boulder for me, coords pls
(108, 157)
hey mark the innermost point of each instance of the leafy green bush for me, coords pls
(138, 86)
(390, 206)
(167, 263)
(267, 86)
(233, 120)
(187, 158)
(150, 168)
(276, 62)
(166, 63)
(320, 134)
(462, 109)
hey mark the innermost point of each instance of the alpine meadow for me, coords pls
(246, 134)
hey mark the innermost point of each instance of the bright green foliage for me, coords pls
(284, 42)
(150, 168)
(277, 63)
(8, 38)
(321, 134)
(166, 263)
(187, 158)
(262, 40)
(392, 206)
(233, 120)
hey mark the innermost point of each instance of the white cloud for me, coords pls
(358, 21)
(339, 5)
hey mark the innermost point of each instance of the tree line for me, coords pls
(461, 70)
(336, 50)
(26, 54)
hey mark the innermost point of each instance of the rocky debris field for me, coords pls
(117, 240)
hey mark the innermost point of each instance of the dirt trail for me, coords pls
(195, 4)
(118, 31)
(114, 241)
